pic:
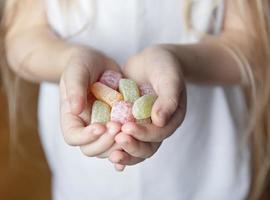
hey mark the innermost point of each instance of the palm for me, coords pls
(83, 69)
(160, 68)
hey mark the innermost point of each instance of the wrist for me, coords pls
(82, 55)
(176, 51)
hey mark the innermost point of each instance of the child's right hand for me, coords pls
(84, 68)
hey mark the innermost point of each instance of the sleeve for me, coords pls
(67, 19)
(206, 17)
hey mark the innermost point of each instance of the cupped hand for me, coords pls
(84, 67)
(159, 67)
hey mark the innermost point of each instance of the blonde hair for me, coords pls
(259, 21)
(255, 14)
(25, 157)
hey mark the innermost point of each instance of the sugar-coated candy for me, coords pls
(100, 112)
(122, 112)
(129, 90)
(144, 121)
(105, 93)
(147, 88)
(111, 78)
(143, 106)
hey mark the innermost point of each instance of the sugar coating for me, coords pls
(122, 112)
(105, 93)
(129, 90)
(143, 106)
(146, 88)
(111, 79)
(100, 112)
(144, 121)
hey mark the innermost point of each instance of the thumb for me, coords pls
(76, 80)
(169, 92)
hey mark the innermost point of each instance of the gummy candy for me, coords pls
(122, 112)
(105, 93)
(129, 90)
(143, 106)
(147, 88)
(111, 79)
(100, 112)
(121, 100)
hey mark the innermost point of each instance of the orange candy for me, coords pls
(105, 93)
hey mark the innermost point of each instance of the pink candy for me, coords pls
(111, 79)
(122, 112)
(147, 89)
(121, 100)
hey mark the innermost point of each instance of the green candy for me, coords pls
(100, 112)
(129, 90)
(143, 106)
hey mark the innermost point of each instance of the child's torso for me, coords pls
(121, 28)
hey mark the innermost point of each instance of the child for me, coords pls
(75, 41)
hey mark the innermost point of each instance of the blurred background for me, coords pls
(24, 175)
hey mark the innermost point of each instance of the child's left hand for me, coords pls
(159, 67)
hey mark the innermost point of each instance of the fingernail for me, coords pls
(128, 128)
(116, 160)
(97, 131)
(112, 132)
(120, 168)
(112, 129)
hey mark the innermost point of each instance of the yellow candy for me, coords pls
(100, 112)
(129, 90)
(144, 121)
(143, 106)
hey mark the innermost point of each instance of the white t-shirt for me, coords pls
(207, 158)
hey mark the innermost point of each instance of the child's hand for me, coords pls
(84, 68)
(159, 67)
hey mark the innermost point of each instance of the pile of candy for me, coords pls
(121, 100)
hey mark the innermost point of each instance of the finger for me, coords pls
(119, 167)
(85, 116)
(86, 113)
(112, 65)
(73, 127)
(168, 84)
(62, 88)
(132, 70)
(99, 146)
(103, 143)
(169, 89)
(152, 133)
(123, 158)
(76, 80)
(148, 132)
(136, 148)
(109, 151)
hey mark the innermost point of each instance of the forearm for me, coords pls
(37, 54)
(209, 62)
(33, 50)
